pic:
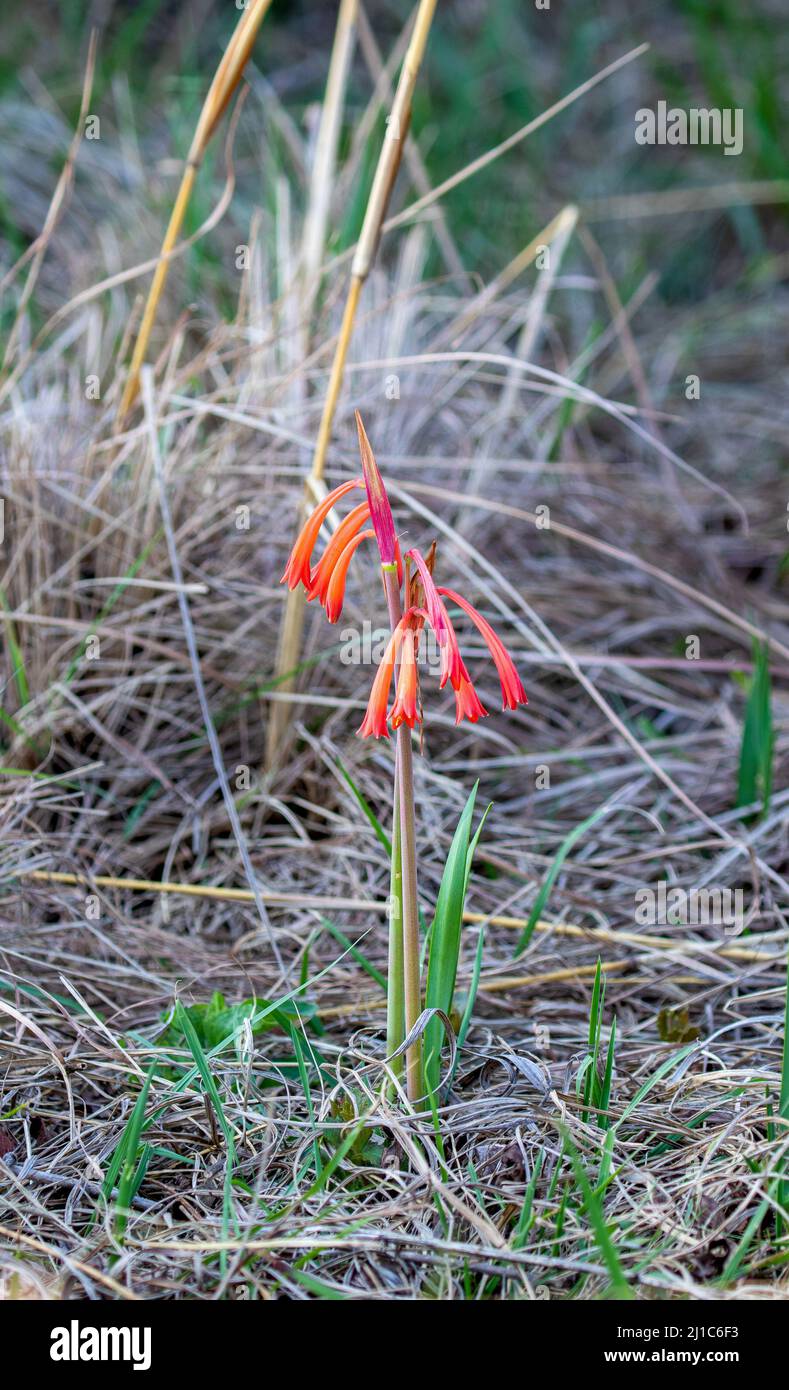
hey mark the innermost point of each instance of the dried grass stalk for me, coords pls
(321, 902)
(37, 250)
(226, 79)
(325, 158)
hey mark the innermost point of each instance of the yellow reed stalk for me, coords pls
(226, 79)
(364, 256)
(321, 902)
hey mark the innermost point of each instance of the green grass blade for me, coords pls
(15, 652)
(298, 1048)
(317, 1286)
(127, 1166)
(595, 1019)
(605, 1160)
(211, 1090)
(201, 1062)
(343, 940)
(605, 1090)
(142, 1169)
(465, 1022)
(756, 751)
(524, 1220)
(738, 1254)
(366, 808)
(446, 934)
(657, 1075)
(619, 1285)
(16, 729)
(551, 876)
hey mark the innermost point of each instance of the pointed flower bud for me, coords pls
(380, 510)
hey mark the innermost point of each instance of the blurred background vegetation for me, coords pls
(491, 68)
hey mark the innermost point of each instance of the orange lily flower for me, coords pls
(335, 592)
(297, 570)
(512, 691)
(404, 709)
(345, 532)
(327, 581)
(375, 722)
(467, 702)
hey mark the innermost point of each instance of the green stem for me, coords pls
(410, 913)
(395, 1000)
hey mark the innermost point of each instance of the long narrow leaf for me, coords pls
(756, 752)
(619, 1285)
(550, 879)
(446, 934)
(365, 807)
(129, 1144)
(15, 654)
(201, 1062)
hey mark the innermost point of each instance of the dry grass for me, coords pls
(642, 552)
(226, 79)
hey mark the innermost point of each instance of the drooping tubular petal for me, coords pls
(345, 532)
(452, 668)
(404, 708)
(435, 608)
(380, 510)
(512, 691)
(297, 570)
(374, 722)
(467, 702)
(335, 592)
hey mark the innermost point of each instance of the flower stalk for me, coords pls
(409, 925)
(395, 1001)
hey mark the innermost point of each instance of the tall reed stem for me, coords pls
(226, 79)
(404, 801)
